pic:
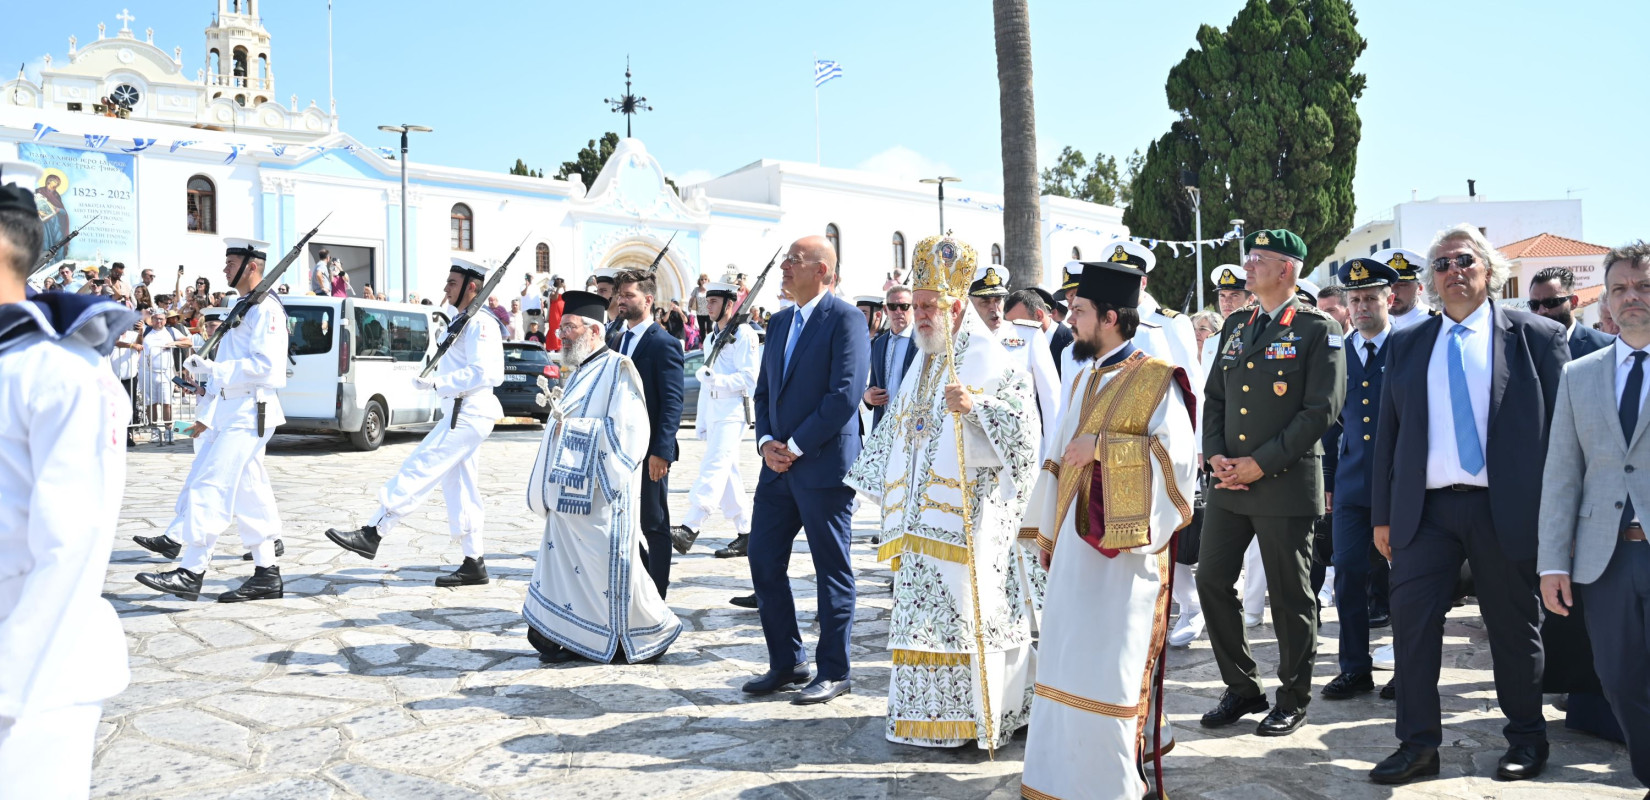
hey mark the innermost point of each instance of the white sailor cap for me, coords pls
(214, 314)
(868, 300)
(469, 269)
(20, 173)
(1229, 276)
(727, 288)
(1128, 252)
(605, 274)
(251, 248)
(1308, 288)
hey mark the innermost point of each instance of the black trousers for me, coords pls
(1456, 527)
(1618, 620)
(655, 514)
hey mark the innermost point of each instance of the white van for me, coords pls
(351, 367)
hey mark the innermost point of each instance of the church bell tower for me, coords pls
(237, 55)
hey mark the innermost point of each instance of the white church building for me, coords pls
(162, 165)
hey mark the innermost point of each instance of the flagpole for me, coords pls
(816, 109)
(332, 101)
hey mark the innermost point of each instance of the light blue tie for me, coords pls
(1468, 449)
(790, 341)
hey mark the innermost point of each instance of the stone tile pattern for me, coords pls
(369, 682)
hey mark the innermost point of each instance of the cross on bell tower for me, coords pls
(629, 105)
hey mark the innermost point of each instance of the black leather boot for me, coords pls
(473, 572)
(180, 582)
(362, 541)
(737, 548)
(265, 584)
(682, 538)
(280, 550)
(162, 545)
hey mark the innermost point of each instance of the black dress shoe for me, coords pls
(162, 545)
(1348, 685)
(745, 601)
(1390, 690)
(774, 680)
(362, 541)
(549, 651)
(822, 691)
(265, 584)
(280, 550)
(682, 538)
(1232, 708)
(1522, 762)
(1380, 620)
(473, 572)
(737, 548)
(181, 582)
(1405, 765)
(1281, 722)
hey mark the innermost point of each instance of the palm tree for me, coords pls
(1021, 231)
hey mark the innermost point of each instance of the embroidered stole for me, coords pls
(1119, 414)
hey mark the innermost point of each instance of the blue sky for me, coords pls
(1531, 99)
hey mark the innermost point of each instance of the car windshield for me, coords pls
(526, 356)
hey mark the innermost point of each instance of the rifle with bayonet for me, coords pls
(62, 245)
(651, 268)
(256, 296)
(456, 326)
(743, 314)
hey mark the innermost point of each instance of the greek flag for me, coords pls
(824, 71)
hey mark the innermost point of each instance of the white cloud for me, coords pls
(903, 163)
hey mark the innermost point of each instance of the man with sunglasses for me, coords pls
(1552, 295)
(891, 353)
(1407, 306)
(1459, 447)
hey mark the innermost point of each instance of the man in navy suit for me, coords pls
(1459, 450)
(807, 429)
(891, 354)
(1368, 291)
(658, 358)
(1552, 295)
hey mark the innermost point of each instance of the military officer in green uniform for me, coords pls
(1277, 383)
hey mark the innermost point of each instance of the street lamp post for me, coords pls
(1237, 225)
(941, 182)
(404, 130)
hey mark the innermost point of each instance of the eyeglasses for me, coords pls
(1551, 302)
(1460, 262)
(899, 306)
(794, 259)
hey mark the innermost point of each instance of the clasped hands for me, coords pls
(1234, 473)
(777, 456)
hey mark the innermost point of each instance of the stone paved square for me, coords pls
(366, 681)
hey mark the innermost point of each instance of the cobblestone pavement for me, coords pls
(369, 682)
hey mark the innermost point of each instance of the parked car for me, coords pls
(351, 367)
(524, 364)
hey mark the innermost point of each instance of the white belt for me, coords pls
(715, 395)
(242, 391)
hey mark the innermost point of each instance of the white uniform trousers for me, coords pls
(719, 484)
(227, 482)
(47, 755)
(448, 457)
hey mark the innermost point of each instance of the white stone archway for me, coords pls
(638, 253)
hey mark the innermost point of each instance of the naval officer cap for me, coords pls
(1277, 240)
(469, 269)
(1071, 275)
(1129, 252)
(1116, 285)
(1366, 273)
(589, 305)
(1229, 277)
(989, 281)
(1407, 263)
(250, 248)
(1307, 291)
(17, 183)
(727, 288)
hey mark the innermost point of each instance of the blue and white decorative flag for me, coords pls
(95, 141)
(182, 143)
(139, 145)
(42, 130)
(234, 151)
(824, 71)
(278, 149)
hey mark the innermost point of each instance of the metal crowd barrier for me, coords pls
(162, 411)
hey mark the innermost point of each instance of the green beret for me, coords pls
(1277, 241)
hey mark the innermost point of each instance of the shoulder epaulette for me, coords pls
(1433, 312)
(1026, 323)
(1169, 312)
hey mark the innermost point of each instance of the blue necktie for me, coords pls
(1628, 413)
(624, 346)
(790, 341)
(1468, 450)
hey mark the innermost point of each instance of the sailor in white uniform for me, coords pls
(449, 455)
(1408, 307)
(229, 480)
(723, 386)
(1231, 293)
(63, 466)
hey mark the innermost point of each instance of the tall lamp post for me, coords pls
(941, 182)
(1188, 179)
(1237, 225)
(404, 130)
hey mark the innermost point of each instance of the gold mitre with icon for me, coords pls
(943, 265)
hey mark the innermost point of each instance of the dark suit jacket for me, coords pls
(1058, 341)
(879, 369)
(816, 402)
(1363, 402)
(1585, 340)
(1529, 354)
(658, 358)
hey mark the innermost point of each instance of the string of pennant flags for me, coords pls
(1174, 245)
(232, 151)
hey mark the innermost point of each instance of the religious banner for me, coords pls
(78, 185)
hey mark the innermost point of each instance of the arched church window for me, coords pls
(203, 205)
(541, 257)
(240, 100)
(834, 236)
(463, 227)
(997, 254)
(899, 251)
(1076, 254)
(263, 67)
(239, 56)
(214, 62)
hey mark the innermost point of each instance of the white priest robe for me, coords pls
(1028, 346)
(590, 591)
(909, 466)
(1105, 619)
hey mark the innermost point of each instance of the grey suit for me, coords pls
(1592, 469)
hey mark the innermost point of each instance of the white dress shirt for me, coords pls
(1357, 343)
(800, 320)
(639, 329)
(1443, 462)
(1420, 312)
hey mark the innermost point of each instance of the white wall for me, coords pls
(1503, 221)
